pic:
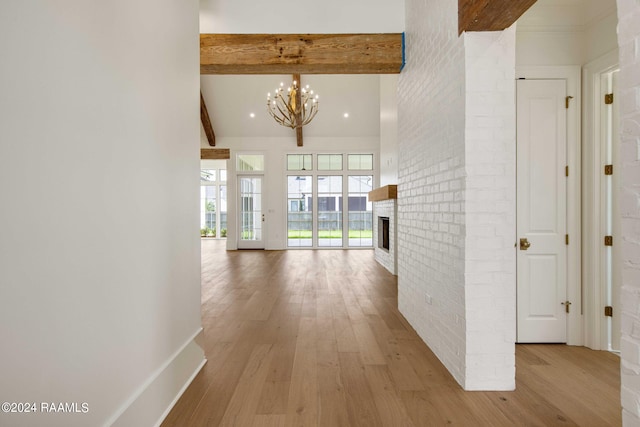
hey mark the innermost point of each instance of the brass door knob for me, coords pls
(524, 244)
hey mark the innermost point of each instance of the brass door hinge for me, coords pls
(608, 311)
(566, 171)
(608, 99)
(566, 239)
(608, 240)
(608, 169)
(566, 305)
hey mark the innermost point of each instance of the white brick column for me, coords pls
(456, 194)
(629, 42)
(490, 210)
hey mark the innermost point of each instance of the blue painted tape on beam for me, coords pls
(403, 55)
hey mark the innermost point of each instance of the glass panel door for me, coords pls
(330, 211)
(251, 221)
(360, 211)
(299, 211)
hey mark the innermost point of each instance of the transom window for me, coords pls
(250, 163)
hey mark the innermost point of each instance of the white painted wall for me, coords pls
(601, 36)
(301, 16)
(99, 249)
(629, 264)
(456, 201)
(554, 32)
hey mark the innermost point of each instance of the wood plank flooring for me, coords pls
(314, 338)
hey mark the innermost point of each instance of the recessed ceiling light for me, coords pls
(346, 115)
(252, 115)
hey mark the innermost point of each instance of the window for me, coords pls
(250, 163)
(329, 162)
(299, 162)
(322, 203)
(213, 203)
(208, 175)
(360, 162)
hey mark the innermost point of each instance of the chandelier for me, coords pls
(294, 108)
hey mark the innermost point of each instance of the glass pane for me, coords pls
(208, 211)
(360, 211)
(207, 175)
(223, 174)
(330, 162)
(299, 162)
(299, 211)
(330, 211)
(250, 162)
(223, 211)
(360, 162)
(250, 208)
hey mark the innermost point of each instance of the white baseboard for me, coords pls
(153, 401)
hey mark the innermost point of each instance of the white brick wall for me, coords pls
(388, 259)
(431, 180)
(456, 202)
(629, 41)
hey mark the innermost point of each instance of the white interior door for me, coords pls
(250, 209)
(541, 211)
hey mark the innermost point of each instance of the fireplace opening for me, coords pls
(383, 232)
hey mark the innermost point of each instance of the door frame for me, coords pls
(595, 324)
(572, 75)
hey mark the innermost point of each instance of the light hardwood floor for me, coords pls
(306, 338)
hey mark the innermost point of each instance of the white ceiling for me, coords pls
(571, 14)
(231, 99)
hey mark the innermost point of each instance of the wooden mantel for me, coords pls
(388, 192)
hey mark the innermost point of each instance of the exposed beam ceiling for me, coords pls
(215, 154)
(490, 15)
(301, 53)
(206, 122)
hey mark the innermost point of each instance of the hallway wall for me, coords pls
(99, 248)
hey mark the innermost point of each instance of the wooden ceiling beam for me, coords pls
(215, 154)
(206, 122)
(301, 53)
(490, 15)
